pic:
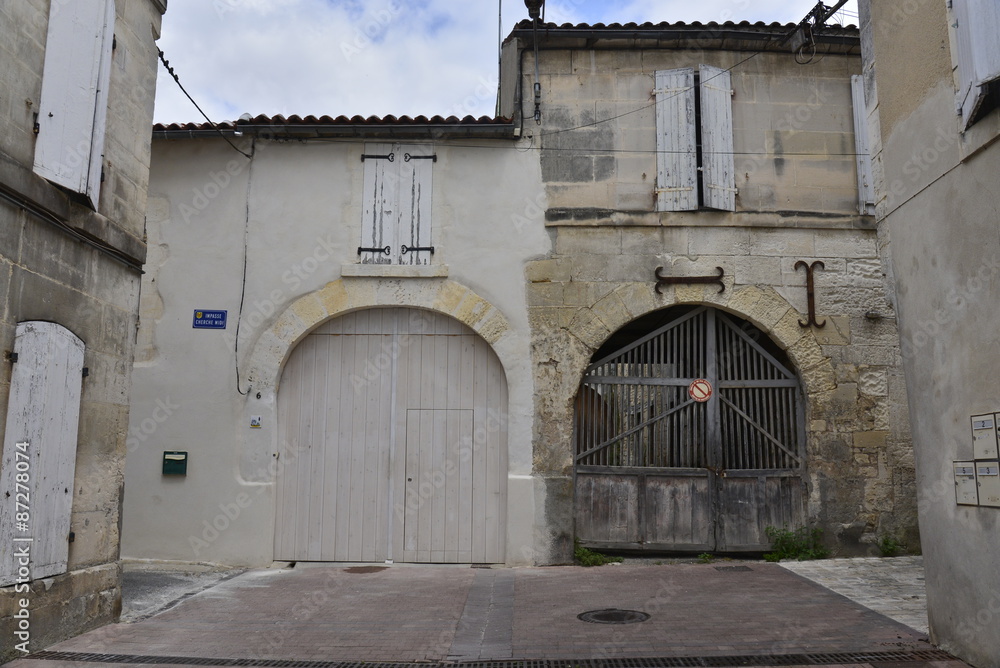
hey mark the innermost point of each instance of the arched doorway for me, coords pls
(393, 432)
(689, 437)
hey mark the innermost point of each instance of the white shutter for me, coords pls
(415, 203)
(718, 169)
(977, 24)
(676, 154)
(866, 189)
(43, 415)
(74, 100)
(378, 223)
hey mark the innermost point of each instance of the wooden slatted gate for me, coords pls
(658, 470)
(394, 443)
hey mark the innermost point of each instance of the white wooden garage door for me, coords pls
(393, 443)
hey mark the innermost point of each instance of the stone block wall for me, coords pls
(860, 465)
(49, 274)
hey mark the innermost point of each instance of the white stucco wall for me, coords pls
(299, 207)
(938, 207)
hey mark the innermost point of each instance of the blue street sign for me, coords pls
(209, 319)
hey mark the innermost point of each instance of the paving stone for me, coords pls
(437, 613)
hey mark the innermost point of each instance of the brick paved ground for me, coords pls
(330, 613)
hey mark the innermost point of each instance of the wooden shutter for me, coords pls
(676, 154)
(866, 189)
(74, 99)
(43, 415)
(381, 200)
(397, 208)
(718, 170)
(977, 24)
(415, 204)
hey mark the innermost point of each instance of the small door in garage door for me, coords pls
(394, 443)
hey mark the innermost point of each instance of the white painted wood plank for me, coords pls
(676, 154)
(977, 23)
(74, 96)
(43, 412)
(480, 393)
(341, 384)
(718, 171)
(378, 222)
(344, 429)
(415, 202)
(866, 186)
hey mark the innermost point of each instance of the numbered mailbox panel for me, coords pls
(966, 487)
(988, 481)
(984, 436)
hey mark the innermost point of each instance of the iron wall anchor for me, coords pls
(811, 292)
(662, 280)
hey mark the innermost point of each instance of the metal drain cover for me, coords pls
(613, 616)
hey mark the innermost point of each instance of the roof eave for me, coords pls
(365, 131)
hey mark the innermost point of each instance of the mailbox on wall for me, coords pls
(988, 481)
(984, 436)
(175, 462)
(966, 489)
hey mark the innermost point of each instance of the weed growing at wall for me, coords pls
(800, 544)
(584, 557)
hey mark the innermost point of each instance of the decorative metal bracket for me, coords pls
(407, 157)
(414, 249)
(385, 251)
(811, 291)
(689, 280)
(391, 157)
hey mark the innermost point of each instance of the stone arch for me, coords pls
(345, 295)
(765, 308)
(260, 447)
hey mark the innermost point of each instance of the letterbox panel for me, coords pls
(988, 477)
(966, 489)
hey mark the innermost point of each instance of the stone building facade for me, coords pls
(77, 86)
(334, 318)
(932, 75)
(794, 171)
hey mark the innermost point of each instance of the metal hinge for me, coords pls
(385, 251)
(10, 356)
(657, 91)
(407, 157)
(414, 249)
(369, 156)
(724, 90)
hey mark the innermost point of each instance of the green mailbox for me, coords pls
(175, 462)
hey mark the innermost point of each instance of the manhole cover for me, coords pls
(613, 616)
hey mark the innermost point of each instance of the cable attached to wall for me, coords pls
(243, 286)
(177, 80)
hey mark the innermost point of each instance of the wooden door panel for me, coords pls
(370, 400)
(608, 509)
(700, 475)
(678, 511)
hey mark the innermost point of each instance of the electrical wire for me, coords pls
(243, 286)
(648, 106)
(177, 80)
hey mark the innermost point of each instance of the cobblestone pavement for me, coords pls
(892, 587)
(706, 613)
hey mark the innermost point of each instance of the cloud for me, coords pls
(374, 57)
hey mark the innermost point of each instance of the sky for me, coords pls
(378, 57)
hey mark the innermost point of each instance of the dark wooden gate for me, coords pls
(658, 470)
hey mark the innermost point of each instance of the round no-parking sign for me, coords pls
(700, 390)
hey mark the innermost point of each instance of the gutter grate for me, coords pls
(721, 661)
